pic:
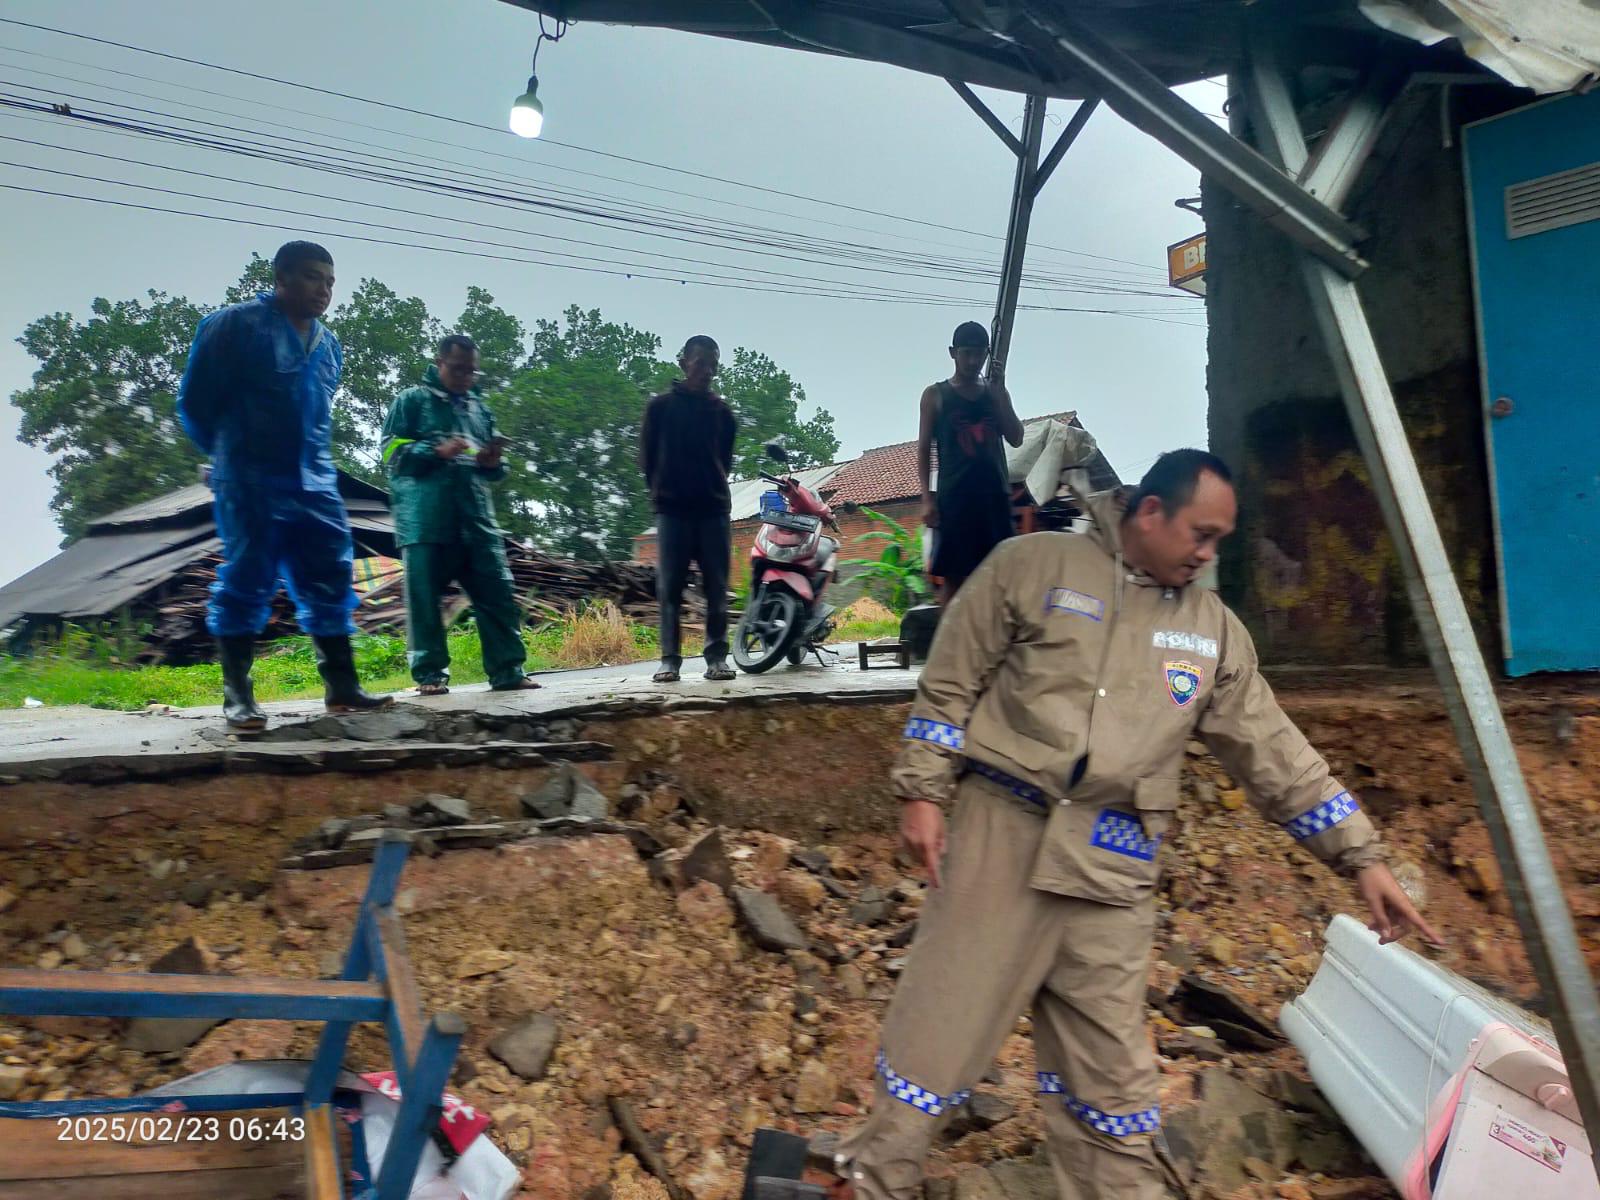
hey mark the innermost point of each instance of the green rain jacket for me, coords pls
(437, 499)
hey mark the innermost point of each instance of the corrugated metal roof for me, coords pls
(1178, 41)
(135, 549)
(191, 505)
(99, 574)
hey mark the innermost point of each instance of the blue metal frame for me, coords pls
(422, 1069)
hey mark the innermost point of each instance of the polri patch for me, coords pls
(1183, 682)
(1168, 639)
(1079, 603)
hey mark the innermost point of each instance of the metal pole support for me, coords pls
(1022, 193)
(1486, 747)
(1030, 180)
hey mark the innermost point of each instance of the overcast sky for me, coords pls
(823, 129)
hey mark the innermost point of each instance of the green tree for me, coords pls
(257, 278)
(570, 393)
(767, 403)
(502, 339)
(388, 343)
(573, 414)
(104, 402)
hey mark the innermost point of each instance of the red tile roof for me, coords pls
(890, 472)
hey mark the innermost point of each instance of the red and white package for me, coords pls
(460, 1121)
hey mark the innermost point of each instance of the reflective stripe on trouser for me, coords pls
(430, 568)
(988, 948)
(301, 539)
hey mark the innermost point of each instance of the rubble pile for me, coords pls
(646, 987)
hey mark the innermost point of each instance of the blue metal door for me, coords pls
(1533, 189)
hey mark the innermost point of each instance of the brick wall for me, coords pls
(851, 526)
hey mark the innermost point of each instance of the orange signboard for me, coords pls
(1186, 264)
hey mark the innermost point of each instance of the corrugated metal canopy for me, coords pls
(192, 505)
(1179, 41)
(99, 574)
(128, 553)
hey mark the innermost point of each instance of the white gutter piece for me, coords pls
(1455, 1093)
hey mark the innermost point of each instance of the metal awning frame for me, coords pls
(1299, 193)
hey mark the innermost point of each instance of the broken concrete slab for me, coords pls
(526, 1047)
(155, 1035)
(1184, 1043)
(435, 810)
(706, 858)
(837, 890)
(1288, 1088)
(645, 842)
(1217, 1006)
(1232, 1121)
(567, 793)
(815, 860)
(983, 1110)
(769, 926)
(387, 725)
(1009, 1179)
(872, 907)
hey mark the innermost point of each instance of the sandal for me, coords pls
(433, 689)
(720, 672)
(666, 675)
(526, 684)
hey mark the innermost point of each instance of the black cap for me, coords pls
(969, 333)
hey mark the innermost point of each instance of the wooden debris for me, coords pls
(174, 611)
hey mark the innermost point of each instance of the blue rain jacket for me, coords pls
(259, 401)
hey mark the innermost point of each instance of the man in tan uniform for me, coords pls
(1062, 687)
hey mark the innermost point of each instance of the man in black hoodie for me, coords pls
(686, 451)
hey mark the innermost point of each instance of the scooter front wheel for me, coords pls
(768, 629)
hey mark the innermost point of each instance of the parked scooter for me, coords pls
(791, 563)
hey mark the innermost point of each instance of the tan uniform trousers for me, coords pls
(988, 947)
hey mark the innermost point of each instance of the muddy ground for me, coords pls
(661, 998)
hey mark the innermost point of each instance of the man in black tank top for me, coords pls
(966, 418)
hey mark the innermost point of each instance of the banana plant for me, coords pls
(896, 576)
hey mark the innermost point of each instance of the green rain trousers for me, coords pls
(447, 533)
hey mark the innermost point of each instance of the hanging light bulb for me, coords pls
(527, 114)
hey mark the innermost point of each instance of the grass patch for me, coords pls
(867, 631)
(84, 668)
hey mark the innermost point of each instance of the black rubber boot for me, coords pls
(342, 692)
(239, 707)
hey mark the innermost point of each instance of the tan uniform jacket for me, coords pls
(1072, 683)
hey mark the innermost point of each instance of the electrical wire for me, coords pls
(380, 169)
(926, 301)
(1155, 274)
(465, 123)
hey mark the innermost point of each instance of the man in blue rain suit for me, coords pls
(257, 397)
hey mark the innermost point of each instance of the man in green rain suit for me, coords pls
(442, 453)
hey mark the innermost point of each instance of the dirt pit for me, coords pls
(661, 999)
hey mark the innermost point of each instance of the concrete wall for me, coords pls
(1311, 570)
